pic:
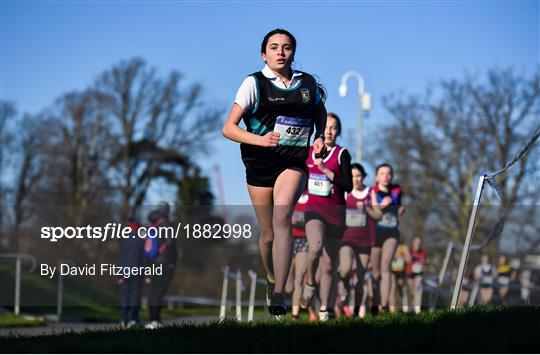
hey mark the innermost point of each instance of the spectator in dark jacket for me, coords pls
(167, 255)
(131, 254)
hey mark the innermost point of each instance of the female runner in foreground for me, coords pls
(279, 107)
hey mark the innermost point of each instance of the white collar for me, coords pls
(267, 72)
(361, 194)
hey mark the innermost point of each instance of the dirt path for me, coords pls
(58, 328)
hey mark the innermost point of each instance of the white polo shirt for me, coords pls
(246, 97)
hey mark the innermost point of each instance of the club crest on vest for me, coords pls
(305, 95)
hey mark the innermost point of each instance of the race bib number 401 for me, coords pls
(318, 184)
(293, 131)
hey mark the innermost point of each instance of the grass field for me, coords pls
(112, 314)
(39, 295)
(492, 330)
(83, 300)
(11, 320)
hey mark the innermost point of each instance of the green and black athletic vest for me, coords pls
(287, 111)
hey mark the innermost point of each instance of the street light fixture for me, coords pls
(364, 100)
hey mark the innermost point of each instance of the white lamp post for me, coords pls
(364, 100)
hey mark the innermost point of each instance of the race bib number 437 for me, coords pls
(293, 131)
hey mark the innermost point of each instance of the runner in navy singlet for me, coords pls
(485, 274)
(387, 233)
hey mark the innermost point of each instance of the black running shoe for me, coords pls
(269, 292)
(277, 305)
(374, 310)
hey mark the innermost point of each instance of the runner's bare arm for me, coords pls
(407, 255)
(320, 125)
(231, 131)
(374, 210)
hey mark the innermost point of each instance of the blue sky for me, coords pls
(49, 48)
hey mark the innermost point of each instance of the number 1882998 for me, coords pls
(217, 231)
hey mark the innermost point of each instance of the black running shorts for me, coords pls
(264, 173)
(331, 230)
(382, 234)
(359, 249)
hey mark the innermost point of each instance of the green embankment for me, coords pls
(82, 298)
(491, 330)
(11, 320)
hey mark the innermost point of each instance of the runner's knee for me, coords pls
(267, 235)
(281, 220)
(385, 268)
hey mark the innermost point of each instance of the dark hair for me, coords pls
(385, 165)
(359, 167)
(323, 93)
(334, 116)
(281, 32)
